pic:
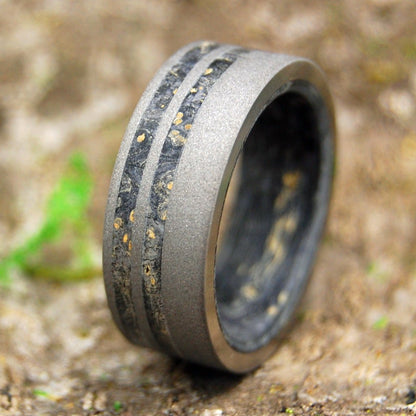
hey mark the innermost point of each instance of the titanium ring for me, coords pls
(212, 115)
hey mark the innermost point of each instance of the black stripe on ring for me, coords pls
(130, 184)
(163, 182)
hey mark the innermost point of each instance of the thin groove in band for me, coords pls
(163, 183)
(131, 180)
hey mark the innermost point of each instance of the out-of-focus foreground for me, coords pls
(70, 75)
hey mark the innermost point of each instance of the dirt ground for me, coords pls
(70, 75)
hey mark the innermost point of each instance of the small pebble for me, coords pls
(87, 401)
(100, 402)
(213, 412)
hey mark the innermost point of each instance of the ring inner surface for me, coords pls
(273, 209)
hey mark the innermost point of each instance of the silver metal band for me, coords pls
(167, 286)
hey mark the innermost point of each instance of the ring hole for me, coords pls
(262, 264)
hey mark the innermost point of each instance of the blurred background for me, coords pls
(71, 73)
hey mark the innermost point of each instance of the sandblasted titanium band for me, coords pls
(169, 286)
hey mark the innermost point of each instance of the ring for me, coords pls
(217, 204)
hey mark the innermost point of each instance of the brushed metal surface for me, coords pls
(184, 318)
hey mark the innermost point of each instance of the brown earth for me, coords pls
(70, 74)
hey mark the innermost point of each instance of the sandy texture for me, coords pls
(70, 74)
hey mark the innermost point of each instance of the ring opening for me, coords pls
(262, 265)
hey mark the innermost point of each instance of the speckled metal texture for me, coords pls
(168, 285)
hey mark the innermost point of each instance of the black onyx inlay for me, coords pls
(163, 182)
(130, 184)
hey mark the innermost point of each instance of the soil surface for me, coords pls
(70, 75)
